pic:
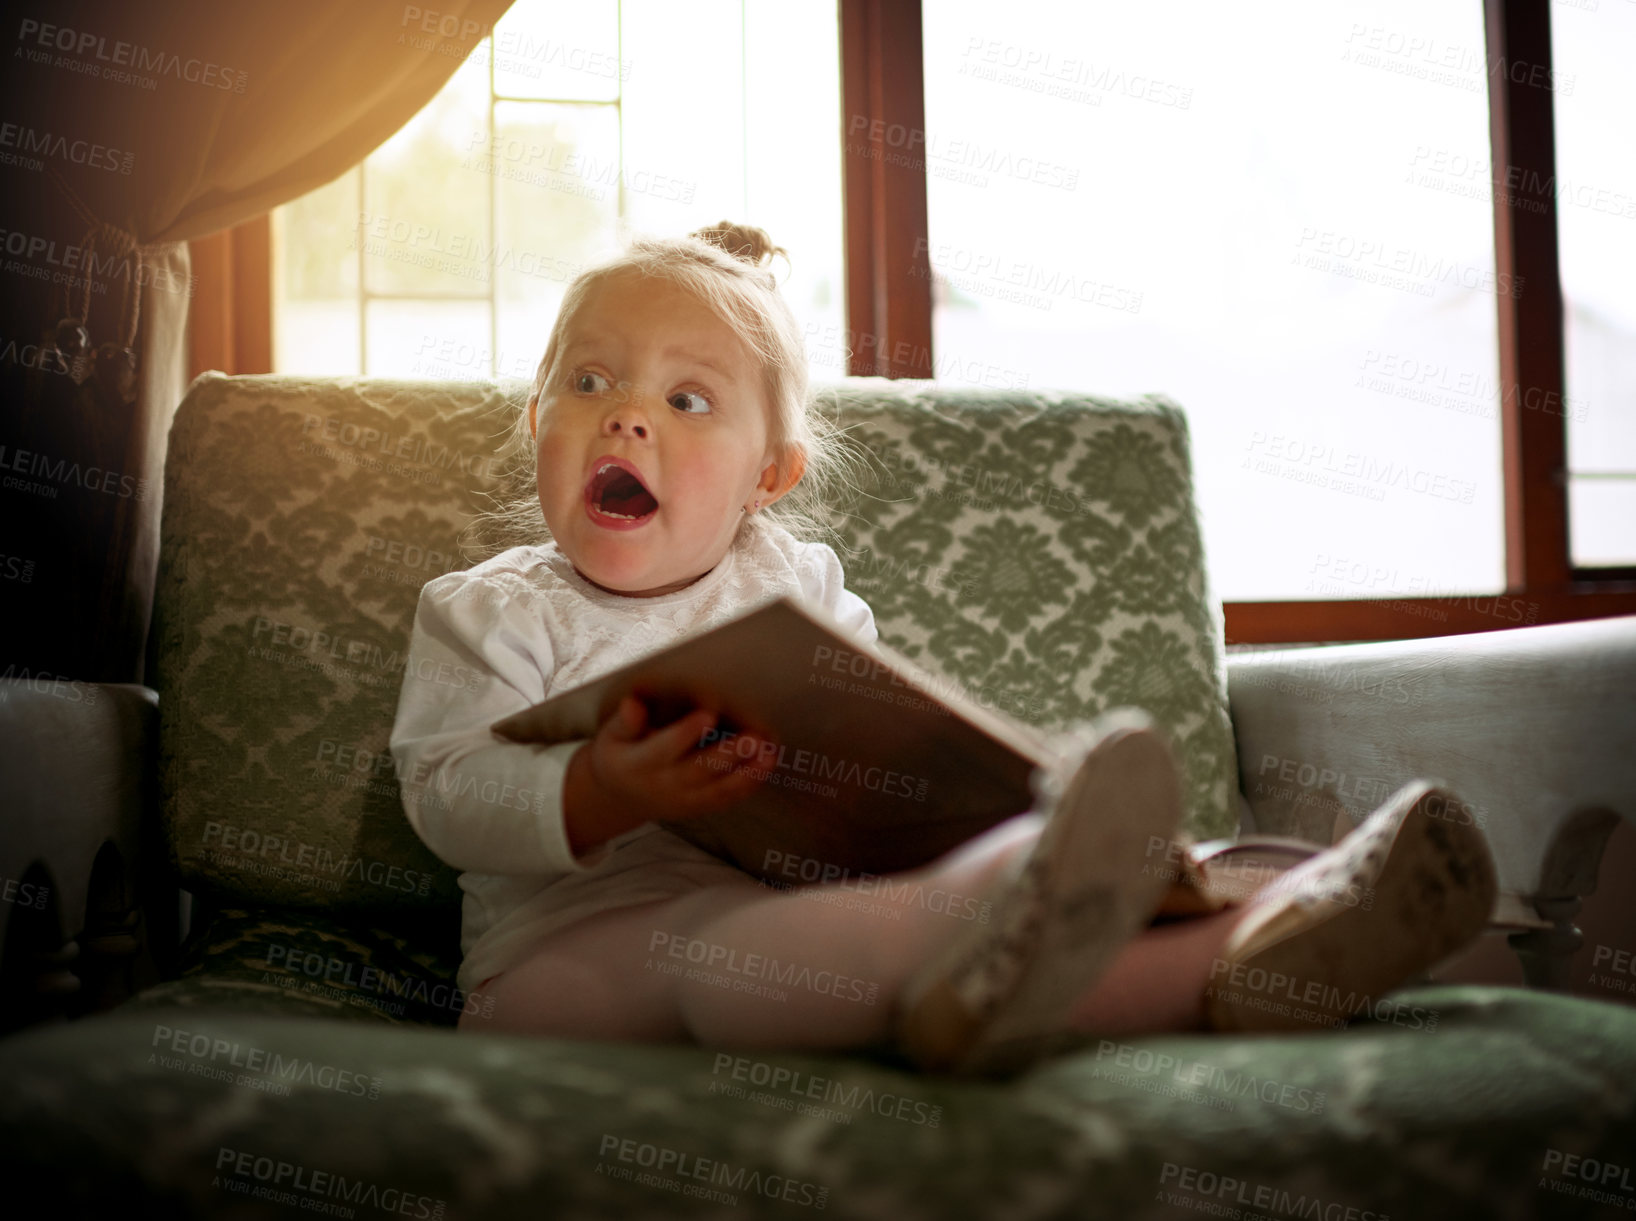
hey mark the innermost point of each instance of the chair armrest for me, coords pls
(82, 860)
(1531, 727)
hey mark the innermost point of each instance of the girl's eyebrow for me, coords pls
(673, 351)
(690, 354)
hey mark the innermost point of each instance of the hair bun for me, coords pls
(743, 242)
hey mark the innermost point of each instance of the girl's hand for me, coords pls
(628, 775)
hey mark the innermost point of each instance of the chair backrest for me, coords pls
(1041, 549)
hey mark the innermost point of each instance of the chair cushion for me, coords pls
(299, 963)
(1459, 1103)
(301, 517)
(1041, 549)
(1044, 550)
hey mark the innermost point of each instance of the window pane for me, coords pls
(435, 339)
(794, 168)
(556, 176)
(318, 337)
(1261, 220)
(564, 181)
(1595, 192)
(559, 51)
(425, 222)
(315, 288)
(684, 114)
(696, 152)
(1602, 511)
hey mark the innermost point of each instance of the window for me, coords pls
(1272, 221)
(446, 253)
(906, 265)
(1563, 381)
(1595, 190)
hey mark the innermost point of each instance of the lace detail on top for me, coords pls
(592, 631)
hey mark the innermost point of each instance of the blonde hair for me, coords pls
(725, 267)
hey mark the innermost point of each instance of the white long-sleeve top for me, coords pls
(510, 632)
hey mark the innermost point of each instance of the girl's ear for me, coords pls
(533, 428)
(775, 483)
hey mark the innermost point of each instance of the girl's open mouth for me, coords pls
(616, 497)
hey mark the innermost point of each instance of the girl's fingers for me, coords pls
(729, 761)
(719, 786)
(746, 744)
(694, 732)
(687, 766)
(753, 760)
(711, 762)
(662, 750)
(628, 720)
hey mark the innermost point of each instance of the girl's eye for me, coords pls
(590, 383)
(690, 402)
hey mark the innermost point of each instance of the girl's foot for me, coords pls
(1000, 996)
(1325, 940)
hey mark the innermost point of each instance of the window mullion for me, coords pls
(1534, 443)
(494, 222)
(883, 133)
(363, 288)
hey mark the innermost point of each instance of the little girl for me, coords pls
(669, 415)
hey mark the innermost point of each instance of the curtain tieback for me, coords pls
(107, 249)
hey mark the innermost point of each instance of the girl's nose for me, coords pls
(627, 418)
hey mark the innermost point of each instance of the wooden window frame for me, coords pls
(889, 303)
(889, 318)
(883, 122)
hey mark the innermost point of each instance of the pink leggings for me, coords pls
(817, 968)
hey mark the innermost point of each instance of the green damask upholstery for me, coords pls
(1041, 549)
(313, 964)
(281, 616)
(181, 1114)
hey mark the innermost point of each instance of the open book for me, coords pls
(879, 766)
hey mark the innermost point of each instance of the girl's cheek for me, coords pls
(551, 448)
(555, 476)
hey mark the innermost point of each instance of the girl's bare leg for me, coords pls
(1157, 982)
(707, 967)
(732, 966)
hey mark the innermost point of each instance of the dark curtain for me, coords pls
(124, 131)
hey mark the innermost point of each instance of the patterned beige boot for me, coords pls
(999, 997)
(1328, 938)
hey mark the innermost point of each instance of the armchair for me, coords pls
(296, 1050)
